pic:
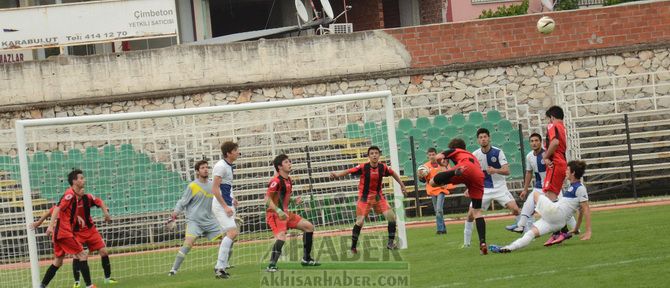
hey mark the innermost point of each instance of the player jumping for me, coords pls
(280, 219)
(370, 196)
(554, 215)
(466, 171)
(196, 203)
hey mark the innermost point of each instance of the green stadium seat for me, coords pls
(513, 136)
(504, 125)
(511, 149)
(403, 156)
(370, 128)
(408, 168)
(451, 131)
(40, 157)
(92, 153)
(498, 138)
(526, 146)
(433, 132)
(516, 171)
(75, 154)
(424, 145)
(458, 120)
(423, 123)
(493, 116)
(416, 133)
(475, 118)
(109, 151)
(57, 156)
(442, 143)
(353, 131)
(405, 125)
(470, 129)
(142, 159)
(440, 121)
(404, 146)
(488, 125)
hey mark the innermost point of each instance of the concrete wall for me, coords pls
(309, 66)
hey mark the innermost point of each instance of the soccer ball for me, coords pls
(545, 25)
(422, 171)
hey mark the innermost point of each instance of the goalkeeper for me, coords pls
(196, 203)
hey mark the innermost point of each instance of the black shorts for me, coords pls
(476, 203)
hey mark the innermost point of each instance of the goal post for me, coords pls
(139, 163)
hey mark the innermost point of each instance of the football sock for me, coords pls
(354, 235)
(391, 229)
(307, 244)
(467, 233)
(481, 229)
(181, 254)
(106, 266)
(51, 272)
(572, 223)
(75, 269)
(276, 252)
(85, 272)
(224, 250)
(521, 242)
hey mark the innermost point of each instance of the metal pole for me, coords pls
(523, 152)
(416, 179)
(309, 175)
(27, 204)
(630, 156)
(398, 197)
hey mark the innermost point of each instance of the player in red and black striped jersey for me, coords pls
(466, 171)
(62, 226)
(280, 219)
(370, 196)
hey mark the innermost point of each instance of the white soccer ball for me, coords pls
(545, 25)
(422, 171)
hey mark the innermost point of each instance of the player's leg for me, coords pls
(225, 223)
(362, 210)
(106, 266)
(278, 227)
(181, 254)
(480, 224)
(55, 265)
(438, 205)
(467, 230)
(83, 266)
(307, 238)
(527, 211)
(391, 228)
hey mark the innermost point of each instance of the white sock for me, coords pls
(526, 212)
(572, 223)
(224, 249)
(467, 233)
(521, 242)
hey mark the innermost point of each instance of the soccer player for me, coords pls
(63, 220)
(224, 211)
(554, 215)
(196, 203)
(466, 171)
(86, 233)
(556, 161)
(535, 168)
(370, 196)
(495, 168)
(280, 219)
(437, 194)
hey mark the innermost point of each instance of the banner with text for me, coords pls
(86, 22)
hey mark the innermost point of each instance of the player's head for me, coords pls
(431, 153)
(229, 151)
(576, 170)
(373, 154)
(554, 113)
(483, 137)
(76, 178)
(457, 143)
(535, 141)
(201, 169)
(282, 163)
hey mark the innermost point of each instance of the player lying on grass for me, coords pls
(370, 195)
(196, 203)
(280, 219)
(555, 215)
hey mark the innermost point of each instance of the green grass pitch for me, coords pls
(628, 249)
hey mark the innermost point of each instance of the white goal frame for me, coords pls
(21, 126)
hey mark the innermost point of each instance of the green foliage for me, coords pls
(506, 11)
(615, 2)
(567, 5)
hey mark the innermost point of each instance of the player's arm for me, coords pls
(43, 217)
(182, 203)
(338, 174)
(216, 190)
(585, 211)
(105, 210)
(54, 220)
(526, 184)
(272, 190)
(397, 179)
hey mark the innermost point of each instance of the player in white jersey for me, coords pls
(535, 169)
(494, 163)
(224, 207)
(555, 215)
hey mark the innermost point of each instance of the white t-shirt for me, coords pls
(224, 170)
(496, 159)
(536, 165)
(570, 199)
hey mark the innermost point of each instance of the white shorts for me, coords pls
(500, 195)
(226, 222)
(553, 218)
(538, 190)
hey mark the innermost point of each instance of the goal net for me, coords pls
(140, 163)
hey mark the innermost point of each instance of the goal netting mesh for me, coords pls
(140, 168)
